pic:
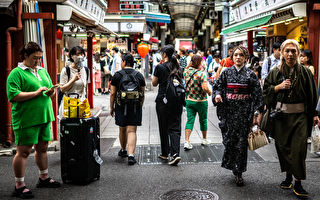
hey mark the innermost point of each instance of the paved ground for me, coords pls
(149, 181)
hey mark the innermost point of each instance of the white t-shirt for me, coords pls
(78, 86)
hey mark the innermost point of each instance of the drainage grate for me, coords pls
(148, 155)
(189, 194)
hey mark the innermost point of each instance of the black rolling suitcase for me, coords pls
(80, 149)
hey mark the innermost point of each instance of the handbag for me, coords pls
(315, 140)
(257, 138)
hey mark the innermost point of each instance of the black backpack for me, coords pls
(175, 92)
(129, 90)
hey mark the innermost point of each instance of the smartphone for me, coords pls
(52, 88)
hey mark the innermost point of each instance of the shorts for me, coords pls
(31, 135)
(133, 116)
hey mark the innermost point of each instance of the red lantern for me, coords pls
(143, 49)
(94, 41)
(59, 34)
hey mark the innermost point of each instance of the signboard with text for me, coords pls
(131, 5)
(255, 7)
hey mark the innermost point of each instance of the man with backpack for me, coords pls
(126, 99)
(271, 61)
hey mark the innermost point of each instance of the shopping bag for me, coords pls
(84, 109)
(71, 107)
(75, 108)
(315, 139)
(257, 138)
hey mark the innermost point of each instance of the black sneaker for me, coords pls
(286, 184)
(47, 183)
(299, 191)
(175, 160)
(23, 195)
(123, 153)
(131, 160)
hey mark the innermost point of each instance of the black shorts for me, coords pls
(133, 115)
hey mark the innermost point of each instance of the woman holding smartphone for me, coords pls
(32, 114)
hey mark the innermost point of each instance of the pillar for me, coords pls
(250, 42)
(89, 59)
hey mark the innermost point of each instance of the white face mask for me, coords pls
(79, 59)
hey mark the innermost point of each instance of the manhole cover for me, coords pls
(189, 194)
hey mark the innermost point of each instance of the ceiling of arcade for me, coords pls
(184, 13)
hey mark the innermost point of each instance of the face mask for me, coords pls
(79, 59)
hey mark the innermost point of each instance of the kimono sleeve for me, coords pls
(219, 86)
(256, 93)
(268, 88)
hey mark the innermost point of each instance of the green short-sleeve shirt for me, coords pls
(33, 111)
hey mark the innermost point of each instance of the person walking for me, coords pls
(306, 60)
(226, 62)
(291, 90)
(196, 99)
(156, 60)
(105, 73)
(271, 61)
(169, 119)
(116, 61)
(127, 83)
(190, 54)
(183, 58)
(97, 73)
(239, 91)
(29, 89)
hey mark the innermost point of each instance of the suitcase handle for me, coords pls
(75, 94)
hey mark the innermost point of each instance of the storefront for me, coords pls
(278, 19)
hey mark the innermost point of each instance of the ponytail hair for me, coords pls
(172, 61)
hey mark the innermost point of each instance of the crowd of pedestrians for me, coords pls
(241, 90)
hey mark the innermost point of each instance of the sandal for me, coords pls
(23, 195)
(47, 183)
(239, 181)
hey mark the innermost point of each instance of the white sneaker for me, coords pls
(187, 146)
(205, 142)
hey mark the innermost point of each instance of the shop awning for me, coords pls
(247, 24)
(154, 40)
(157, 17)
(5, 3)
(76, 15)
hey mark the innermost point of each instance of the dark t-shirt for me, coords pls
(162, 72)
(117, 77)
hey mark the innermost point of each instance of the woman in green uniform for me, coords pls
(32, 114)
(291, 90)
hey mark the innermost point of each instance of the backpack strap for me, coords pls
(87, 72)
(269, 64)
(191, 78)
(68, 72)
